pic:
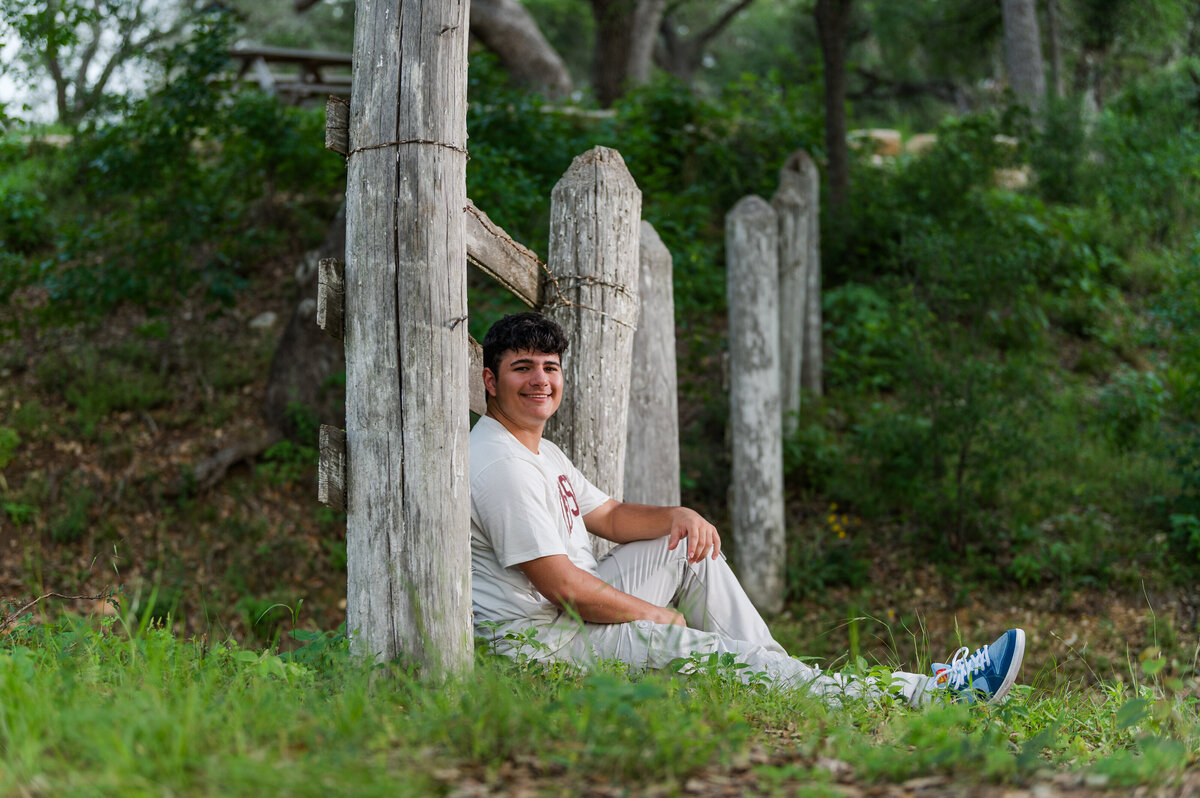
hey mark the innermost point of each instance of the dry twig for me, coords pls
(12, 618)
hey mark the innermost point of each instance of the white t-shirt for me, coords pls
(524, 506)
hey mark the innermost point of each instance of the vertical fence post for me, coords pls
(407, 540)
(652, 447)
(752, 252)
(595, 210)
(812, 369)
(796, 204)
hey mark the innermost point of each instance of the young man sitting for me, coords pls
(665, 592)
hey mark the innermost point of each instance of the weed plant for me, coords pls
(117, 707)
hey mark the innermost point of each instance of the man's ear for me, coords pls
(489, 381)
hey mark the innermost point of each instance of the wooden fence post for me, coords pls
(595, 210)
(812, 368)
(752, 251)
(796, 203)
(652, 442)
(408, 515)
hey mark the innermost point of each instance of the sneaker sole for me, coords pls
(1013, 669)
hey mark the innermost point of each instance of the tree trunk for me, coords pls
(507, 29)
(652, 447)
(595, 210)
(833, 29)
(305, 358)
(1193, 39)
(408, 513)
(796, 204)
(647, 17)
(752, 252)
(1054, 33)
(1023, 52)
(681, 56)
(625, 33)
(676, 53)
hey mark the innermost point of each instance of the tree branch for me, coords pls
(13, 617)
(89, 51)
(710, 33)
(129, 46)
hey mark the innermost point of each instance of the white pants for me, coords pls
(720, 619)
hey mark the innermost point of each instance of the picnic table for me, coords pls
(309, 72)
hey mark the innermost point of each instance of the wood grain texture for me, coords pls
(595, 213)
(331, 473)
(652, 441)
(796, 203)
(337, 125)
(331, 297)
(478, 401)
(408, 515)
(812, 366)
(495, 253)
(756, 506)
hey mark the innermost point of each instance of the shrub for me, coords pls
(1129, 404)
(24, 226)
(190, 187)
(1148, 144)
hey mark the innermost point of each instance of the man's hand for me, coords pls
(703, 540)
(671, 617)
(624, 522)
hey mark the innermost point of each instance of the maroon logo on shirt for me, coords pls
(570, 506)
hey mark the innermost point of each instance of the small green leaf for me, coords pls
(1152, 667)
(1133, 712)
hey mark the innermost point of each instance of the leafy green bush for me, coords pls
(24, 226)
(691, 157)
(1175, 314)
(694, 158)
(1058, 153)
(1148, 147)
(190, 187)
(863, 329)
(946, 300)
(1129, 404)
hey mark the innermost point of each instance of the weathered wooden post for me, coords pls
(652, 442)
(595, 210)
(407, 540)
(796, 204)
(812, 367)
(752, 253)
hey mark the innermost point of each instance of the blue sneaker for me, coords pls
(987, 675)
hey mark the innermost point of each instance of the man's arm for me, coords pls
(596, 601)
(622, 522)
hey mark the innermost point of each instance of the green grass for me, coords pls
(104, 708)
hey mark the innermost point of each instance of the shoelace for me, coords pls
(961, 669)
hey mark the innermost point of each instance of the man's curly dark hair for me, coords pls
(522, 332)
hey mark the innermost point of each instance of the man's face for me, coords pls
(528, 388)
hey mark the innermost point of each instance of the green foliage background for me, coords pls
(1011, 374)
(1012, 399)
